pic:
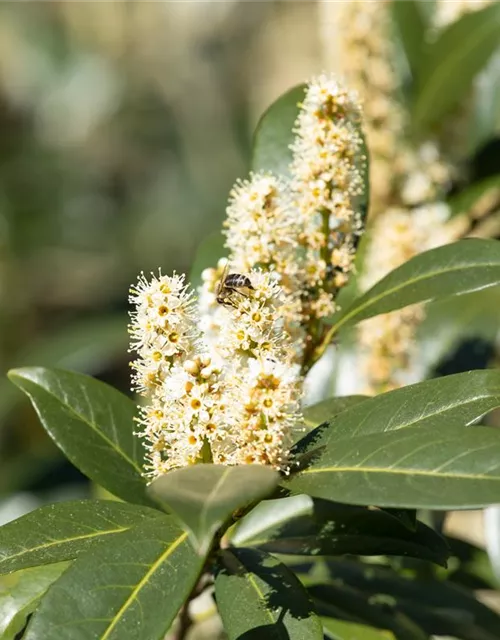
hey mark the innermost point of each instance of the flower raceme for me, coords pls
(304, 228)
(223, 382)
(230, 402)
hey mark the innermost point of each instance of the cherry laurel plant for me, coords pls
(241, 511)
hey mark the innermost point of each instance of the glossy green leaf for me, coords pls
(457, 399)
(20, 594)
(325, 410)
(64, 530)
(337, 600)
(342, 630)
(411, 20)
(259, 598)
(273, 135)
(204, 496)
(422, 467)
(451, 63)
(439, 607)
(305, 526)
(129, 588)
(454, 269)
(93, 425)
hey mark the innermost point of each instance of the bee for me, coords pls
(231, 283)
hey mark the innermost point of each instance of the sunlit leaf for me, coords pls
(63, 530)
(20, 594)
(92, 423)
(259, 597)
(128, 588)
(457, 399)
(417, 467)
(203, 496)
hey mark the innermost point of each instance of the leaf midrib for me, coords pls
(207, 503)
(171, 548)
(408, 471)
(89, 423)
(54, 543)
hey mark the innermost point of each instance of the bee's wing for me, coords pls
(220, 284)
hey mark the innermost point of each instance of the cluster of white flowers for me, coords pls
(163, 328)
(302, 229)
(234, 403)
(222, 374)
(326, 177)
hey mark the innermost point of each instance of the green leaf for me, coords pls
(458, 399)
(207, 255)
(20, 594)
(411, 19)
(451, 63)
(131, 587)
(63, 530)
(317, 413)
(274, 133)
(341, 630)
(439, 607)
(337, 600)
(204, 496)
(454, 269)
(92, 423)
(258, 597)
(423, 467)
(301, 525)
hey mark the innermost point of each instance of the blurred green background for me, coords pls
(123, 125)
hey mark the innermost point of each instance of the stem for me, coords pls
(185, 619)
(185, 622)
